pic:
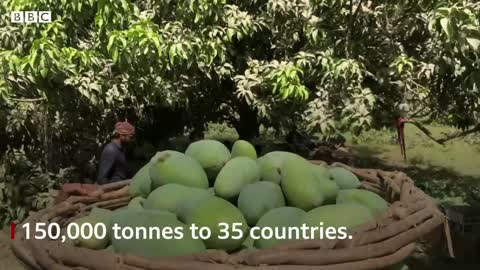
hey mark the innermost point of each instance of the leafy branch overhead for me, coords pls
(328, 66)
(333, 65)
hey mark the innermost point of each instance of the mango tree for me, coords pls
(327, 66)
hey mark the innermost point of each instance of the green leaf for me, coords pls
(474, 42)
(124, 42)
(315, 35)
(198, 16)
(410, 64)
(172, 53)
(447, 27)
(110, 42)
(156, 41)
(115, 55)
(400, 68)
(44, 72)
(127, 58)
(230, 33)
(443, 11)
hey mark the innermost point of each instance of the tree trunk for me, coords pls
(247, 127)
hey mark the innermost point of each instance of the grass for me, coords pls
(449, 173)
(221, 132)
(460, 155)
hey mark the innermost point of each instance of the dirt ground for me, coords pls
(8, 261)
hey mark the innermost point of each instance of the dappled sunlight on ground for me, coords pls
(461, 156)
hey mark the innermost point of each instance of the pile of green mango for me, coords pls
(210, 184)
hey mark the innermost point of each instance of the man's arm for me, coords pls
(107, 161)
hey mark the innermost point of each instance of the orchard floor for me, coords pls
(450, 173)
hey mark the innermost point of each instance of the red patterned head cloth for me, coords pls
(124, 128)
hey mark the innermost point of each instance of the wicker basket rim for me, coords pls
(383, 242)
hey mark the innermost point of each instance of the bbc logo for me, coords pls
(31, 16)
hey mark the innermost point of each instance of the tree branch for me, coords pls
(358, 9)
(446, 138)
(423, 106)
(353, 15)
(27, 99)
(460, 134)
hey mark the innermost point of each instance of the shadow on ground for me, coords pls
(445, 185)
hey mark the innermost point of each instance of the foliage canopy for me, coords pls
(326, 65)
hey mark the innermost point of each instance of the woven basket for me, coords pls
(388, 240)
